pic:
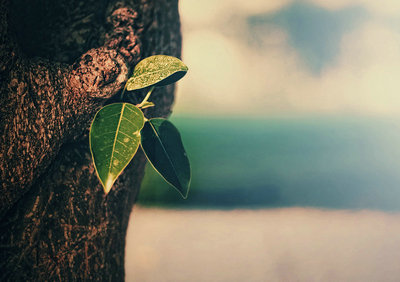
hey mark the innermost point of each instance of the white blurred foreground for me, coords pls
(292, 244)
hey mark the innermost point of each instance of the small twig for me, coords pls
(146, 98)
(123, 92)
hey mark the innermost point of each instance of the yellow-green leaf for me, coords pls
(114, 139)
(158, 70)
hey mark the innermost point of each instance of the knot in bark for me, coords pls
(99, 72)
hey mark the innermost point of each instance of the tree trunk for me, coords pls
(61, 61)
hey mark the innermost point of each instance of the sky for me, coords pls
(267, 58)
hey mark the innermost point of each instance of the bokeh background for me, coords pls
(290, 116)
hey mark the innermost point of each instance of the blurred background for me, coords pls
(290, 117)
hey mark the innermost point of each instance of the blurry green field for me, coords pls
(332, 162)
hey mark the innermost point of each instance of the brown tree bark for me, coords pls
(60, 61)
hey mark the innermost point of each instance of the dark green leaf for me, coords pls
(156, 70)
(163, 146)
(114, 139)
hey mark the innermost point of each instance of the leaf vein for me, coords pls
(115, 138)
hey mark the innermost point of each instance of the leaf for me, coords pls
(156, 70)
(163, 146)
(114, 139)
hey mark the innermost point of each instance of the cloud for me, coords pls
(367, 76)
(383, 7)
(227, 75)
(217, 73)
(313, 31)
(210, 12)
(363, 80)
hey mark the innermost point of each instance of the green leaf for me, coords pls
(156, 70)
(114, 139)
(163, 146)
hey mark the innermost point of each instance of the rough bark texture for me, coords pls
(60, 61)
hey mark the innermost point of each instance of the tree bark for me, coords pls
(61, 61)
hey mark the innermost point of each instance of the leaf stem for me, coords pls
(146, 98)
(123, 92)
